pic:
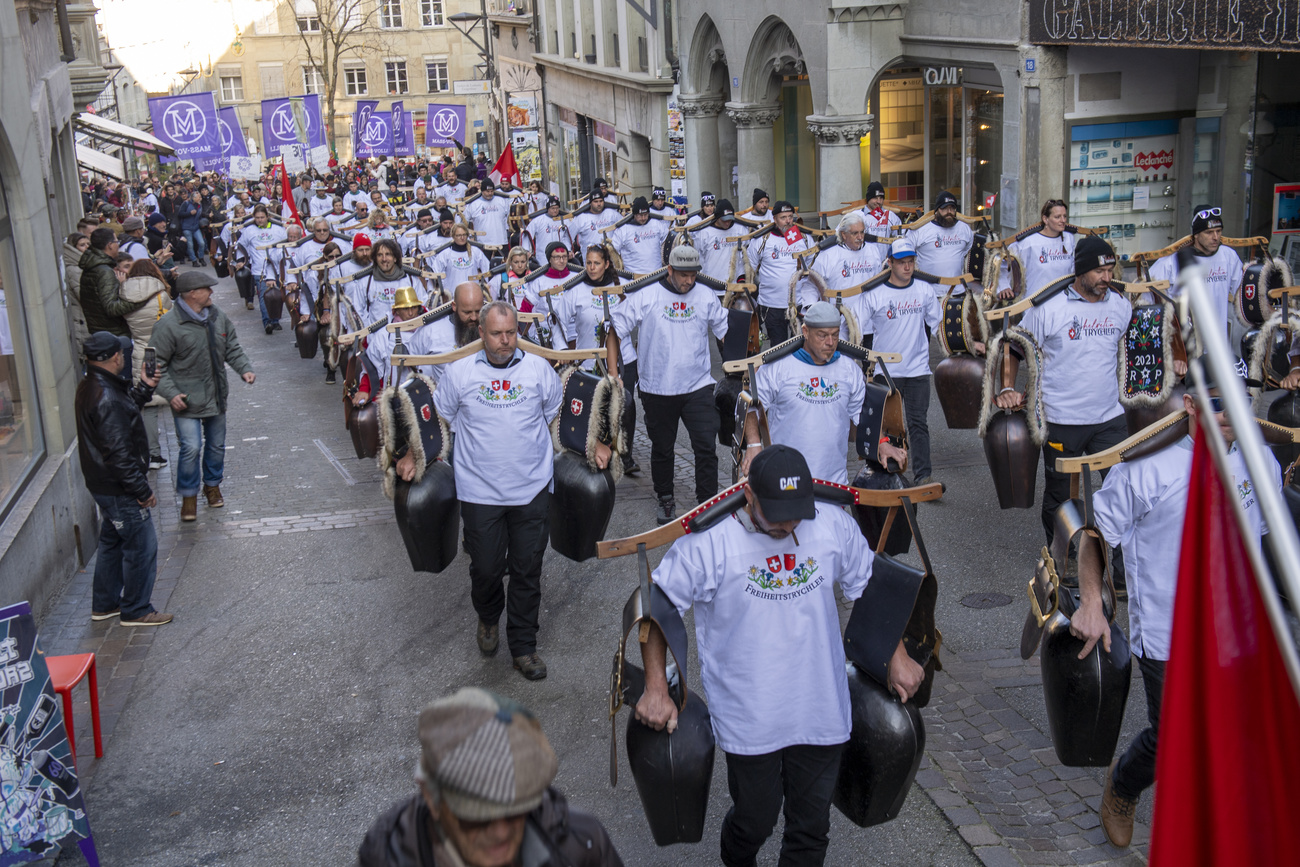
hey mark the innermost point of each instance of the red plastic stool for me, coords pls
(66, 672)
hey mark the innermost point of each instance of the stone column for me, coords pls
(703, 166)
(754, 149)
(839, 164)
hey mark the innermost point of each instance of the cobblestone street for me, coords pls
(275, 718)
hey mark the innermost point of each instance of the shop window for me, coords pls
(900, 110)
(1123, 180)
(21, 443)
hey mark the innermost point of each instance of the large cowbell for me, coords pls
(305, 334)
(724, 400)
(872, 519)
(1013, 459)
(583, 497)
(1085, 698)
(273, 297)
(428, 517)
(427, 510)
(1286, 412)
(673, 772)
(887, 740)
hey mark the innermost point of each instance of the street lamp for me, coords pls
(465, 22)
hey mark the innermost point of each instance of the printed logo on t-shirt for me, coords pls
(1055, 255)
(942, 241)
(1246, 493)
(906, 308)
(679, 311)
(1096, 327)
(501, 392)
(818, 390)
(784, 573)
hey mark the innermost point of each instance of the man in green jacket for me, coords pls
(100, 302)
(194, 342)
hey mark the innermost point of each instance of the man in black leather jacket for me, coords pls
(485, 796)
(114, 455)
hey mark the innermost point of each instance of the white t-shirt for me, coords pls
(350, 199)
(717, 247)
(580, 314)
(774, 261)
(440, 337)
(543, 231)
(1223, 273)
(673, 341)
(544, 334)
(453, 193)
(1141, 506)
(1080, 344)
(457, 267)
(586, 227)
(883, 223)
(767, 627)
(1043, 260)
(490, 217)
(414, 208)
(252, 237)
(898, 317)
(841, 267)
(136, 247)
(379, 347)
(810, 408)
(319, 206)
(942, 252)
(501, 418)
(641, 247)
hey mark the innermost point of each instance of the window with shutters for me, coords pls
(395, 73)
(308, 17)
(390, 14)
(436, 73)
(272, 75)
(431, 13)
(232, 87)
(354, 81)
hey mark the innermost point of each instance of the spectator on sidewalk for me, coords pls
(114, 456)
(194, 341)
(145, 284)
(103, 307)
(485, 798)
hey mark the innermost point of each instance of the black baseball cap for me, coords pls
(944, 199)
(103, 345)
(783, 484)
(782, 207)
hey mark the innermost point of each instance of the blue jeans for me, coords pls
(261, 300)
(209, 435)
(194, 240)
(126, 562)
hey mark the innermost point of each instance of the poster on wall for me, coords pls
(1122, 177)
(1285, 240)
(676, 150)
(42, 802)
(522, 111)
(528, 154)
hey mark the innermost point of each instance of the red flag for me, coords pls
(506, 168)
(1227, 771)
(286, 192)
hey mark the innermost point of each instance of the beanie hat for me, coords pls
(759, 194)
(1207, 218)
(1092, 252)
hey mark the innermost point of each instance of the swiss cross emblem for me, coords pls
(426, 413)
(575, 406)
(1250, 291)
(816, 382)
(500, 384)
(775, 563)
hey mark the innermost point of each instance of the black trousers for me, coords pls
(629, 405)
(1069, 441)
(696, 411)
(1136, 769)
(775, 323)
(803, 777)
(513, 538)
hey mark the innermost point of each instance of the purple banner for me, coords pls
(403, 133)
(188, 123)
(279, 129)
(376, 140)
(443, 123)
(232, 141)
(361, 119)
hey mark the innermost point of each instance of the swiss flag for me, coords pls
(793, 235)
(1227, 771)
(506, 168)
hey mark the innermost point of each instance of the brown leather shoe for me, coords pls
(1117, 812)
(530, 666)
(213, 493)
(488, 638)
(189, 508)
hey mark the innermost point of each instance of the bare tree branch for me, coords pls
(344, 26)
